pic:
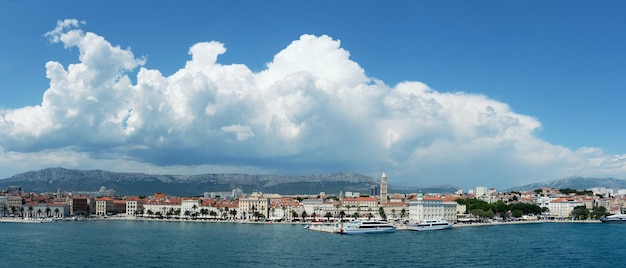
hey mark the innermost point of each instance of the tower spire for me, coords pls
(383, 188)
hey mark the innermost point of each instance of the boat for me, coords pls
(430, 225)
(618, 218)
(366, 227)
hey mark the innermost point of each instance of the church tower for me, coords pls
(383, 188)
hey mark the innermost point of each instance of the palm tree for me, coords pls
(304, 215)
(341, 215)
(393, 213)
(150, 213)
(402, 213)
(30, 211)
(39, 212)
(194, 207)
(233, 212)
(328, 215)
(294, 214)
(47, 212)
(56, 212)
(253, 209)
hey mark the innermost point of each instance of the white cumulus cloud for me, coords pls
(312, 109)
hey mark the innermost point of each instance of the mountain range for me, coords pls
(71, 180)
(578, 183)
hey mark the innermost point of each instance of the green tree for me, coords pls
(580, 212)
(600, 212)
(381, 212)
(516, 213)
(328, 215)
(341, 215)
(304, 215)
(294, 214)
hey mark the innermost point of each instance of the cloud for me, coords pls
(312, 109)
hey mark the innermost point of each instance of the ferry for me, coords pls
(430, 225)
(618, 218)
(366, 227)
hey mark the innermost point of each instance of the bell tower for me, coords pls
(383, 188)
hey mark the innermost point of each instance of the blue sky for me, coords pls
(506, 94)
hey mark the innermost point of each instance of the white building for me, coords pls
(562, 207)
(431, 208)
(191, 205)
(481, 190)
(249, 205)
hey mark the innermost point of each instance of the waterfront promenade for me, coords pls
(328, 227)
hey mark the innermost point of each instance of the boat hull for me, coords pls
(621, 218)
(367, 227)
(374, 231)
(430, 226)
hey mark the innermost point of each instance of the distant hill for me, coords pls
(52, 179)
(578, 183)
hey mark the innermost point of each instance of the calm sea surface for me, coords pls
(189, 244)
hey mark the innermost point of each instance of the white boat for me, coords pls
(430, 225)
(366, 227)
(618, 218)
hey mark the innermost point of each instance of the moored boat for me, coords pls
(618, 218)
(430, 225)
(366, 227)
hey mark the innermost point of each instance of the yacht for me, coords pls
(367, 227)
(618, 218)
(430, 225)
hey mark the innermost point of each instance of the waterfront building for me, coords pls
(104, 205)
(161, 205)
(312, 206)
(393, 210)
(189, 206)
(431, 208)
(562, 207)
(359, 202)
(15, 203)
(79, 205)
(133, 206)
(59, 210)
(119, 207)
(4, 208)
(248, 206)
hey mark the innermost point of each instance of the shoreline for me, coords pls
(400, 227)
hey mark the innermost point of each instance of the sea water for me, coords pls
(109, 243)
